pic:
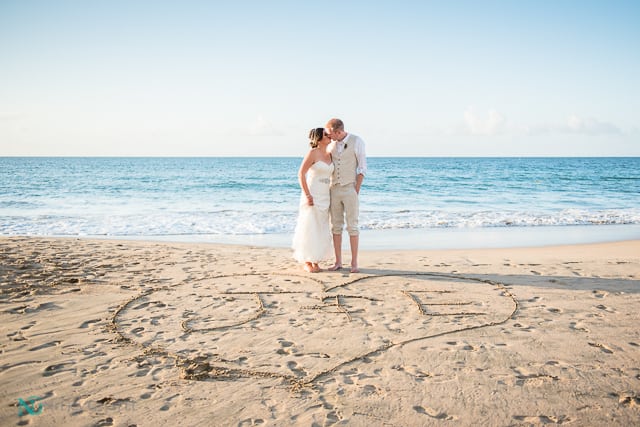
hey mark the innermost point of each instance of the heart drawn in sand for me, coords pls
(299, 328)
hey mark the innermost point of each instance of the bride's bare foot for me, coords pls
(311, 267)
(335, 267)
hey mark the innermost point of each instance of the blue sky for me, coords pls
(207, 78)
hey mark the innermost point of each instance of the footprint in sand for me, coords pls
(600, 294)
(578, 327)
(16, 336)
(293, 366)
(46, 345)
(369, 390)
(542, 419)
(629, 399)
(605, 308)
(536, 380)
(286, 347)
(105, 422)
(57, 369)
(602, 347)
(432, 413)
(89, 322)
(250, 422)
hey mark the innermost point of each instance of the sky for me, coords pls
(251, 78)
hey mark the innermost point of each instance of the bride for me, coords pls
(312, 237)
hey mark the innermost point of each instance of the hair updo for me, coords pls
(315, 135)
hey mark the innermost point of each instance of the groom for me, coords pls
(350, 166)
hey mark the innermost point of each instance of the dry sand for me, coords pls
(135, 333)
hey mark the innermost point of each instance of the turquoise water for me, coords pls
(213, 199)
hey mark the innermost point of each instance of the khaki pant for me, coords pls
(344, 203)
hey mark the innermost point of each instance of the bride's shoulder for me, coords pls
(317, 153)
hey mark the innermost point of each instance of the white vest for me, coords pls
(345, 163)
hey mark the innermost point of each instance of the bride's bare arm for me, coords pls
(307, 162)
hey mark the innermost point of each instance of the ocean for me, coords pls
(405, 202)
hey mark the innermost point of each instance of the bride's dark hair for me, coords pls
(315, 135)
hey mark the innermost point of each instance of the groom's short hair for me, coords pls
(336, 124)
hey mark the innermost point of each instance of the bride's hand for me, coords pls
(309, 199)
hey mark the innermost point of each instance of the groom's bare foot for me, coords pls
(335, 267)
(354, 269)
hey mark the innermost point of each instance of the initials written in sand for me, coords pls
(299, 328)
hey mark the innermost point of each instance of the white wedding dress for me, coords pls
(312, 241)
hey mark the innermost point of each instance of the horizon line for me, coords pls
(298, 156)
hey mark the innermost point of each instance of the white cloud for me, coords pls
(494, 123)
(11, 116)
(575, 125)
(590, 126)
(263, 127)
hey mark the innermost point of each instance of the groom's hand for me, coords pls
(359, 179)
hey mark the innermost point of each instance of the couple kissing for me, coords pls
(330, 177)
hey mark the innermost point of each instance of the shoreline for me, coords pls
(416, 239)
(102, 331)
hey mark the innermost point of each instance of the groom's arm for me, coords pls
(361, 158)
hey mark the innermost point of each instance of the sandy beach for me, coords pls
(103, 332)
